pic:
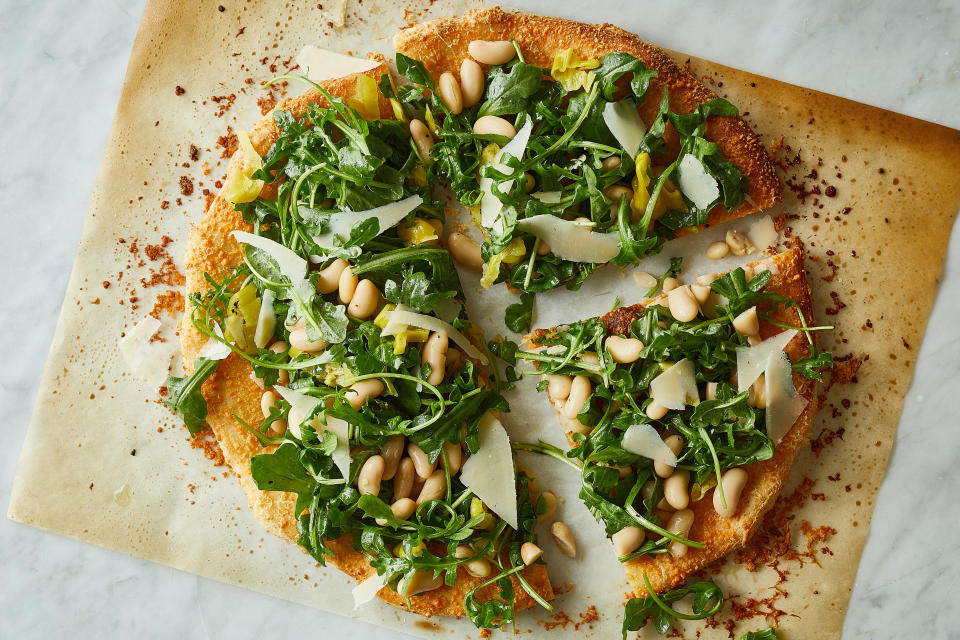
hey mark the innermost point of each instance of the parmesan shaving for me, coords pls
(489, 472)
(677, 386)
(571, 241)
(784, 405)
(643, 440)
(623, 121)
(149, 361)
(367, 590)
(695, 183)
(304, 405)
(321, 64)
(751, 361)
(342, 223)
(292, 266)
(763, 233)
(547, 197)
(214, 349)
(490, 205)
(400, 318)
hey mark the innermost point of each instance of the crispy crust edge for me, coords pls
(766, 479)
(230, 390)
(442, 44)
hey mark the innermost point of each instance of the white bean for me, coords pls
(627, 539)
(530, 553)
(328, 278)
(347, 285)
(471, 82)
(683, 306)
(680, 523)
(580, 390)
(558, 387)
(623, 350)
(758, 393)
(371, 473)
(491, 52)
(670, 283)
(494, 126)
(738, 243)
(701, 292)
(449, 90)
(362, 391)
(422, 138)
(550, 502)
(435, 354)
(610, 163)
(267, 401)
(403, 479)
(433, 487)
(675, 444)
(717, 250)
(454, 456)
(615, 192)
(563, 537)
(465, 251)
(391, 451)
(733, 481)
(421, 461)
(711, 392)
(675, 489)
(747, 323)
(655, 410)
(300, 342)
(403, 508)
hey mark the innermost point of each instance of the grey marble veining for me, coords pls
(61, 75)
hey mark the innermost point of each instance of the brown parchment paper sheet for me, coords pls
(886, 230)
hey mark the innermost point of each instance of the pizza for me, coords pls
(685, 412)
(328, 348)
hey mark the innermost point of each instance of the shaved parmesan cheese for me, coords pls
(784, 405)
(547, 197)
(150, 361)
(623, 121)
(695, 183)
(447, 309)
(214, 349)
(490, 205)
(400, 318)
(677, 386)
(304, 405)
(367, 590)
(751, 361)
(489, 472)
(763, 233)
(266, 320)
(643, 440)
(320, 64)
(571, 241)
(388, 216)
(292, 266)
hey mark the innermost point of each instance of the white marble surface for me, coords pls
(62, 70)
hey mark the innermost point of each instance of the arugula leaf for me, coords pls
(509, 92)
(707, 600)
(184, 395)
(811, 366)
(766, 634)
(415, 291)
(519, 314)
(614, 65)
(282, 471)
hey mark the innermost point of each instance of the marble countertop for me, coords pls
(63, 71)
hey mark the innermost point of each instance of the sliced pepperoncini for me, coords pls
(572, 72)
(512, 254)
(423, 231)
(239, 186)
(366, 98)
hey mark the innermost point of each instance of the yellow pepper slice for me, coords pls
(572, 72)
(366, 98)
(669, 197)
(512, 254)
(239, 186)
(423, 231)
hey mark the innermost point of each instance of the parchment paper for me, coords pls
(104, 463)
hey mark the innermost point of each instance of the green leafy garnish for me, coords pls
(707, 600)
(184, 397)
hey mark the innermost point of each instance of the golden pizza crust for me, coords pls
(442, 45)
(723, 535)
(231, 390)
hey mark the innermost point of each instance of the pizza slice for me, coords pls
(574, 145)
(333, 361)
(685, 413)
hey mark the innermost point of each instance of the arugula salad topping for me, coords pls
(567, 144)
(352, 318)
(674, 381)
